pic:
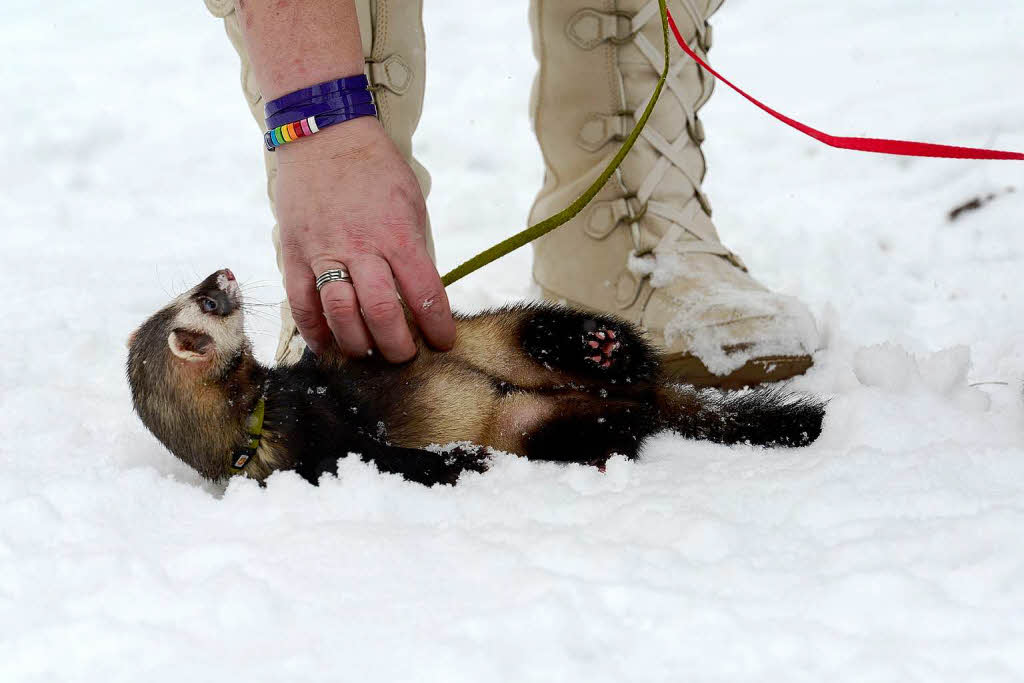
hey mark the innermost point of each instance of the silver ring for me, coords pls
(333, 275)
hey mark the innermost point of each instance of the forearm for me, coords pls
(294, 44)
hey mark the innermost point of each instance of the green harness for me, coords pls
(254, 426)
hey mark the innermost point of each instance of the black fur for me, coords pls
(762, 417)
(324, 415)
(590, 432)
(560, 338)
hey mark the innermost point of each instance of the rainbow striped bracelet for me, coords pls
(275, 137)
(290, 132)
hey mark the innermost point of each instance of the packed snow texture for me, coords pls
(889, 551)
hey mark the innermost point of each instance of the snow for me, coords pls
(888, 551)
(943, 373)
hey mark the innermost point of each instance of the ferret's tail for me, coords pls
(763, 417)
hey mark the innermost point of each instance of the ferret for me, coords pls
(542, 381)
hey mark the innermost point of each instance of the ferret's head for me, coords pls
(200, 332)
(189, 365)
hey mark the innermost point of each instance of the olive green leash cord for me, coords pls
(548, 224)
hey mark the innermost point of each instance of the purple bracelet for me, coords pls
(304, 112)
(334, 103)
(310, 95)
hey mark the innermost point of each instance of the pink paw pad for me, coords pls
(601, 344)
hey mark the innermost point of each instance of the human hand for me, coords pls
(346, 198)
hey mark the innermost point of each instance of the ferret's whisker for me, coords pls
(262, 322)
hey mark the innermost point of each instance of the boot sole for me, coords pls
(689, 369)
(686, 368)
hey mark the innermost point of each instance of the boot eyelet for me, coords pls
(628, 38)
(623, 41)
(635, 218)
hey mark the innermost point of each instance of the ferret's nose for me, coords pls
(228, 274)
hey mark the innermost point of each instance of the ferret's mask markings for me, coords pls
(542, 381)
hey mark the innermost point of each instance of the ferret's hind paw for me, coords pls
(615, 351)
(591, 346)
(601, 345)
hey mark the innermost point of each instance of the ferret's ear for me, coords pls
(189, 345)
(131, 339)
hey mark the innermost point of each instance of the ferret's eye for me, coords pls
(208, 305)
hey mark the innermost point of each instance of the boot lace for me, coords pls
(687, 233)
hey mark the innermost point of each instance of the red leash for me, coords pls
(878, 145)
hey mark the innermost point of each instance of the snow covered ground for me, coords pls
(891, 550)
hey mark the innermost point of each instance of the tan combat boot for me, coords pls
(646, 248)
(395, 63)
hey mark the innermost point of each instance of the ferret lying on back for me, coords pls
(546, 382)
